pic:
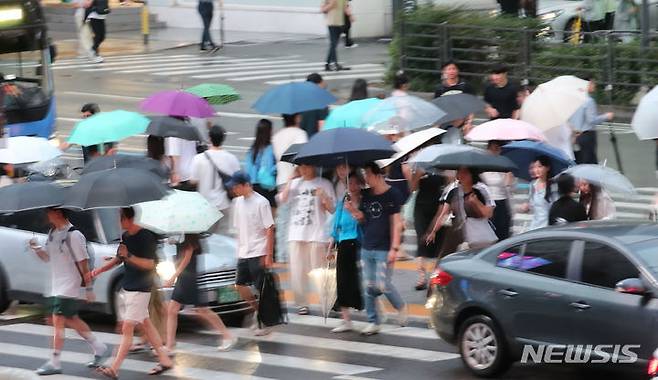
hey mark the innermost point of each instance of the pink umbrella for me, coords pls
(177, 103)
(505, 129)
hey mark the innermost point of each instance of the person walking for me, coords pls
(359, 90)
(186, 292)
(313, 120)
(627, 17)
(451, 82)
(593, 17)
(611, 7)
(500, 189)
(349, 20)
(260, 163)
(401, 84)
(180, 153)
(254, 226)
(541, 194)
(87, 110)
(312, 201)
(137, 253)
(510, 7)
(500, 95)
(340, 180)
(346, 236)
(206, 9)
(597, 202)
(584, 123)
(85, 42)
(210, 170)
(66, 252)
(335, 15)
(566, 209)
(96, 14)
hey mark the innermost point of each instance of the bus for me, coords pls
(26, 80)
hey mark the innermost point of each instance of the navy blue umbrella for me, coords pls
(344, 145)
(523, 153)
(292, 98)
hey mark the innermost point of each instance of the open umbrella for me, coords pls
(23, 150)
(290, 153)
(216, 94)
(292, 98)
(350, 115)
(451, 157)
(409, 143)
(108, 127)
(112, 188)
(30, 196)
(125, 161)
(554, 102)
(177, 103)
(401, 113)
(645, 119)
(167, 126)
(523, 153)
(344, 145)
(458, 106)
(505, 130)
(178, 212)
(604, 177)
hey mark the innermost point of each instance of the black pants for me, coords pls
(206, 9)
(334, 36)
(502, 219)
(510, 7)
(588, 145)
(98, 27)
(348, 277)
(592, 26)
(609, 20)
(348, 26)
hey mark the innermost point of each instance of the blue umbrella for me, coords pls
(350, 115)
(344, 145)
(292, 98)
(523, 153)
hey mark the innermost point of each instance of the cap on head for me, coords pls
(238, 178)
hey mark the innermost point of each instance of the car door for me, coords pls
(601, 315)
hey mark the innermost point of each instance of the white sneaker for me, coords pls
(97, 59)
(227, 344)
(403, 316)
(344, 326)
(371, 329)
(352, 46)
(263, 332)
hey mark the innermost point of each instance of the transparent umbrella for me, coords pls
(400, 114)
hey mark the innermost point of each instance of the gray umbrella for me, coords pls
(290, 153)
(602, 176)
(450, 157)
(458, 106)
(167, 126)
(30, 196)
(126, 161)
(112, 188)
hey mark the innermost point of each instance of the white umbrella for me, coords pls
(401, 113)
(409, 143)
(23, 150)
(180, 212)
(554, 102)
(645, 119)
(602, 176)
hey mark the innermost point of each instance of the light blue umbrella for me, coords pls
(350, 115)
(402, 113)
(107, 127)
(292, 98)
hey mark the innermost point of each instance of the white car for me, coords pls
(24, 277)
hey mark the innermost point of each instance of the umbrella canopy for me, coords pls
(523, 153)
(23, 150)
(105, 127)
(167, 126)
(177, 103)
(125, 161)
(645, 119)
(217, 94)
(451, 157)
(554, 102)
(292, 98)
(401, 113)
(344, 145)
(350, 115)
(458, 106)
(112, 188)
(178, 212)
(409, 143)
(505, 130)
(290, 153)
(604, 177)
(30, 196)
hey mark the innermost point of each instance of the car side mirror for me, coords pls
(631, 286)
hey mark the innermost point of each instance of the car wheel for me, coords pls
(482, 347)
(4, 297)
(572, 33)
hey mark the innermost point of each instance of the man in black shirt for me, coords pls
(313, 120)
(500, 95)
(566, 209)
(451, 83)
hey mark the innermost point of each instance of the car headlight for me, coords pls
(550, 16)
(165, 270)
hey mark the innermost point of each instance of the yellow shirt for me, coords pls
(336, 16)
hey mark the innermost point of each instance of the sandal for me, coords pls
(160, 369)
(108, 372)
(137, 348)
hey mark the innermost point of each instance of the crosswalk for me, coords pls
(304, 349)
(269, 70)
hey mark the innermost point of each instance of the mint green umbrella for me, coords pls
(350, 115)
(108, 127)
(215, 93)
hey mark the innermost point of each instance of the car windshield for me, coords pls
(647, 251)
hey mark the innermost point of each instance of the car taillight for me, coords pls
(652, 370)
(440, 277)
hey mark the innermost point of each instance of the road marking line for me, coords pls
(5, 371)
(238, 73)
(196, 67)
(110, 96)
(109, 58)
(173, 63)
(127, 61)
(348, 377)
(264, 65)
(188, 69)
(361, 71)
(408, 332)
(239, 115)
(329, 77)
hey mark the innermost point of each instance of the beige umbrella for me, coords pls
(410, 143)
(554, 102)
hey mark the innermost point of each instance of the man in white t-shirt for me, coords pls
(85, 42)
(205, 175)
(282, 140)
(312, 201)
(96, 13)
(66, 252)
(254, 226)
(181, 154)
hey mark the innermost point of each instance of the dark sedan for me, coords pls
(582, 293)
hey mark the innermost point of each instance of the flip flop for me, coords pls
(160, 369)
(137, 348)
(108, 372)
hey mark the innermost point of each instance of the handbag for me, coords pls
(478, 231)
(270, 311)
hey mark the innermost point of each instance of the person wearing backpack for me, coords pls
(66, 252)
(96, 14)
(210, 172)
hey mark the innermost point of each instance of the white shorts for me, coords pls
(133, 306)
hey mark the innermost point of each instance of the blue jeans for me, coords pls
(377, 275)
(205, 9)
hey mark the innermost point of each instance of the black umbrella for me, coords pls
(458, 106)
(451, 157)
(111, 188)
(290, 153)
(167, 126)
(344, 145)
(30, 196)
(125, 161)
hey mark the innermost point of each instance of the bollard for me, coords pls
(145, 22)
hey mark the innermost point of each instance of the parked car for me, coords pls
(24, 277)
(586, 283)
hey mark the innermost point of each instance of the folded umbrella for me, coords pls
(177, 103)
(458, 106)
(167, 126)
(292, 98)
(344, 145)
(505, 130)
(108, 127)
(604, 177)
(178, 212)
(554, 102)
(409, 143)
(523, 153)
(290, 153)
(216, 94)
(125, 161)
(23, 150)
(451, 157)
(401, 113)
(30, 196)
(645, 119)
(112, 188)
(350, 115)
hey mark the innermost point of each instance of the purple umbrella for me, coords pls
(177, 103)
